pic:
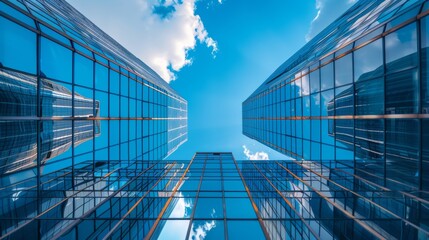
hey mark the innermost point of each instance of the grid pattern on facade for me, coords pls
(69, 93)
(358, 91)
(213, 196)
(81, 119)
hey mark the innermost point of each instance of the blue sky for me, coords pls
(215, 54)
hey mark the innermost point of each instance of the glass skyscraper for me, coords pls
(79, 115)
(214, 196)
(356, 93)
(351, 107)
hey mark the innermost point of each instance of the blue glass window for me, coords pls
(253, 230)
(124, 85)
(425, 64)
(401, 92)
(17, 47)
(402, 152)
(84, 73)
(101, 77)
(114, 82)
(343, 70)
(56, 61)
(370, 97)
(327, 76)
(315, 81)
(401, 49)
(368, 61)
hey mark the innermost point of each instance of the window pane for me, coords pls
(370, 97)
(425, 65)
(56, 99)
(253, 230)
(327, 75)
(369, 145)
(402, 152)
(305, 85)
(101, 77)
(425, 154)
(17, 84)
(401, 49)
(207, 229)
(209, 208)
(239, 208)
(343, 70)
(344, 100)
(315, 81)
(83, 71)
(327, 103)
(401, 92)
(368, 61)
(17, 47)
(124, 85)
(114, 82)
(56, 61)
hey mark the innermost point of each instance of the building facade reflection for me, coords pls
(355, 93)
(81, 120)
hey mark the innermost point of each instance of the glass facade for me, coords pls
(212, 196)
(69, 94)
(81, 120)
(357, 94)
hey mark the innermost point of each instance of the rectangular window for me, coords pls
(17, 47)
(401, 49)
(402, 153)
(370, 97)
(344, 100)
(402, 92)
(83, 74)
(101, 77)
(124, 85)
(327, 76)
(56, 61)
(114, 82)
(368, 61)
(343, 70)
(425, 64)
(315, 81)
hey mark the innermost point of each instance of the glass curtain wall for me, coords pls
(356, 93)
(76, 108)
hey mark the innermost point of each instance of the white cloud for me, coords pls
(161, 33)
(327, 12)
(255, 156)
(201, 231)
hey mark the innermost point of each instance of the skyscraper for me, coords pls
(76, 108)
(214, 196)
(356, 93)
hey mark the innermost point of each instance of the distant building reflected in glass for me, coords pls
(19, 139)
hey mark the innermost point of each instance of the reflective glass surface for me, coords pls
(80, 119)
(371, 106)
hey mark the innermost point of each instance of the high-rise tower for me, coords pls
(75, 107)
(356, 93)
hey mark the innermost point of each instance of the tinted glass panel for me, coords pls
(17, 47)
(327, 75)
(368, 61)
(401, 92)
(84, 72)
(401, 49)
(343, 70)
(56, 61)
